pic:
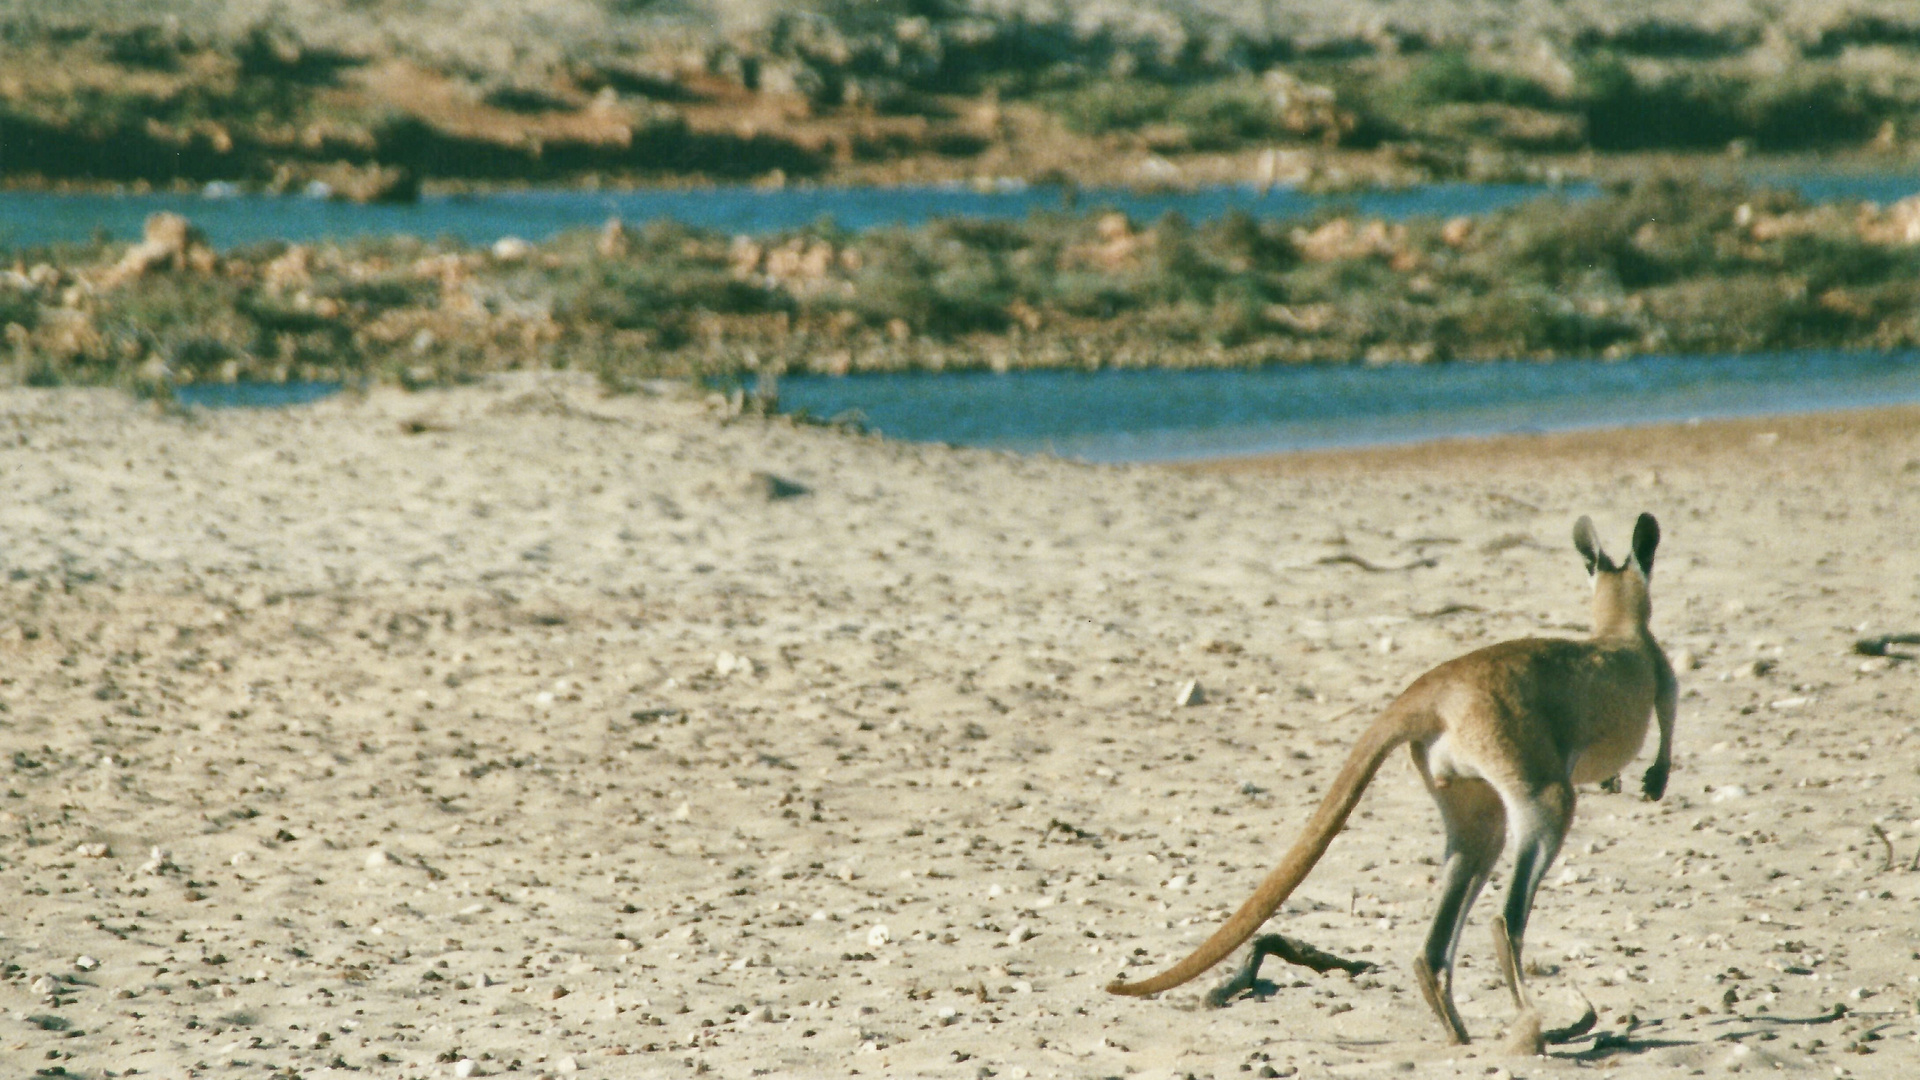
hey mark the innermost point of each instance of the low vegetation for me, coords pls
(1660, 266)
(374, 99)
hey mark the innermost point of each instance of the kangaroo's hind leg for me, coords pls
(1540, 823)
(1475, 820)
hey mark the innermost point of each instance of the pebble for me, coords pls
(1020, 933)
(878, 936)
(380, 857)
(566, 1065)
(465, 1067)
(91, 851)
(45, 984)
(1190, 693)
(86, 963)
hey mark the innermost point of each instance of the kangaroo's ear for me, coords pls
(1588, 545)
(1646, 537)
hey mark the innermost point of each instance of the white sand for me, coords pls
(543, 735)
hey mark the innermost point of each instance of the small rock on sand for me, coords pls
(765, 485)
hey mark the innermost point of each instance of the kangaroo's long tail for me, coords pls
(1380, 739)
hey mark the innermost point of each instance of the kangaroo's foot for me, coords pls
(1510, 964)
(1440, 1001)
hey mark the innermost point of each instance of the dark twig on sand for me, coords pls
(1881, 646)
(1886, 863)
(1372, 567)
(1588, 1018)
(1293, 952)
(1072, 830)
(1444, 610)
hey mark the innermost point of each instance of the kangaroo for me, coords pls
(1499, 737)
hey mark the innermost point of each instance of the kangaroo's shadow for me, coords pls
(1638, 1039)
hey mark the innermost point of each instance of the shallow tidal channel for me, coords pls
(1187, 415)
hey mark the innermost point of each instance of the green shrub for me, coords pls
(1452, 75)
(632, 295)
(1690, 109)
(1525, 322)
(18, 307)
(1109, 105)
(1215, 114)
(1651, 233)
(931, 280)
(1225, 114)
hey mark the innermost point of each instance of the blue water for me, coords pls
(1154, 415)
(253, 395)
(1882, 188)
(29, 219)
(37, 218)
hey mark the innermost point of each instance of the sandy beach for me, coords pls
(518, 729)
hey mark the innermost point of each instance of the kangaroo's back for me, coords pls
(1590, 701)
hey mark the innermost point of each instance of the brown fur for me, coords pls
(1499, 736)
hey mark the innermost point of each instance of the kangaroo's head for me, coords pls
(1621, 604)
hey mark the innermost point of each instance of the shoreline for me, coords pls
(1360, 177)
(1633, 444)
